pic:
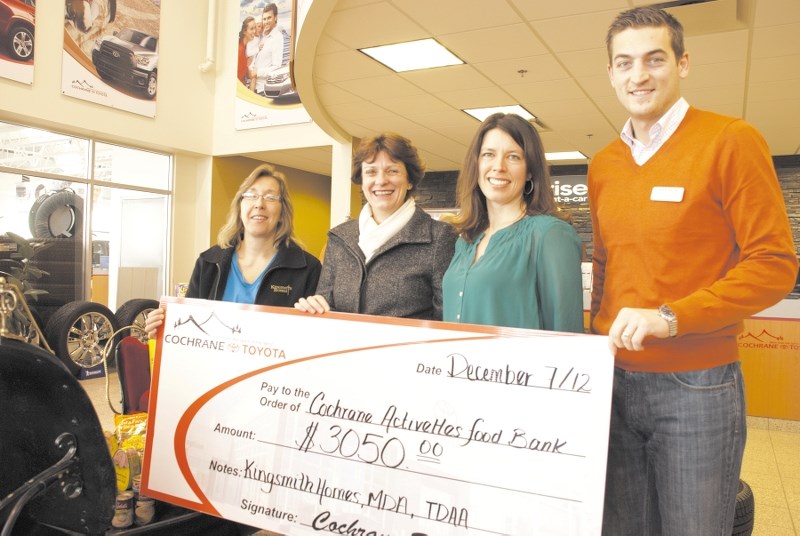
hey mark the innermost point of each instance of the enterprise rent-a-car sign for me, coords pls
(570, 189)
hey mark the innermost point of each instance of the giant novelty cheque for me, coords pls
(364, 425)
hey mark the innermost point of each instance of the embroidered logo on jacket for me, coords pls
(281, 289)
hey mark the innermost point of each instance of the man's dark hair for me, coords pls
(639, 17)
(271, 7)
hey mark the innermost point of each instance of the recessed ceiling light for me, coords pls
(482, 113)
(566, 155)
(413, 55)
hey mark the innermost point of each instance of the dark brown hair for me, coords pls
(397, 148)
(271, 7)
(473, 217)
(245, 22)
(643, 16)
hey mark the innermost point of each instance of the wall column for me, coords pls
(341, 163)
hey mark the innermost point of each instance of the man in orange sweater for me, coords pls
(691, 237)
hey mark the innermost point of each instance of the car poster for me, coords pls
(265, 93)
(110, 54)
(16, 39)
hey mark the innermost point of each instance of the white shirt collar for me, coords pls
(660, 132)
(671, 118)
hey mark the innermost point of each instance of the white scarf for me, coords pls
(373, 235)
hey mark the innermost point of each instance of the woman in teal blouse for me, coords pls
(517, 261)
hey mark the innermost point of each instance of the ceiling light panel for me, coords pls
(413, 55)
(566, 155)
(482, 113)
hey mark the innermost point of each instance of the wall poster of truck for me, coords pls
(111, 53)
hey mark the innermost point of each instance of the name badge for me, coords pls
(672, 194)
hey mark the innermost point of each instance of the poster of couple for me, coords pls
(265, 92)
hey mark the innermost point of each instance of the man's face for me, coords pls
(269, 21)
(645, 73)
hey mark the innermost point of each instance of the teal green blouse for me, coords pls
(528, 277)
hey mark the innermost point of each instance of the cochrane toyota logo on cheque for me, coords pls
(214, 333)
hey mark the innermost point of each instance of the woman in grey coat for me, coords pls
(391, 260)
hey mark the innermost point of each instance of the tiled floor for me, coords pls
(772, 469)
(771, 462)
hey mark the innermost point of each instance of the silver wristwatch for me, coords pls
(666, 313)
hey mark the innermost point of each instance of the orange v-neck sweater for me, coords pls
(720, 254)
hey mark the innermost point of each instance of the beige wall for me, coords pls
(191, 216)
(194, 121)
(185, 94)
(194, 109)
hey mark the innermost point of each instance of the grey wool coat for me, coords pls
(402, 279)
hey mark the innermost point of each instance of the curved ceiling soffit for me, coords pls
(305, 52)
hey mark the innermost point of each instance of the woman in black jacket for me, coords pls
(256, 259)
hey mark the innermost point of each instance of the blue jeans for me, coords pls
(675, 450)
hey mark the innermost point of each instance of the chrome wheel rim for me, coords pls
(87, 337)
(23, 44)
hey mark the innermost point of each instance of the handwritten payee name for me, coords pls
(395, 418)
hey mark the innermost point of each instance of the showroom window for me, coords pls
(95, 214)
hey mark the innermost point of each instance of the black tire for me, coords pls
(32, 213)
(745, 511)
(151, 87)
(133, 313)
(60, 215)
(20, 42)
(78, 332)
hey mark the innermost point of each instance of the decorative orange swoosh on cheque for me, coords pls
(191, 412)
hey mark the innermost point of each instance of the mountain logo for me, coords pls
(212, 325)
(764, 337)
(83, 84)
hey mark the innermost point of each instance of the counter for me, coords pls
(769, 349)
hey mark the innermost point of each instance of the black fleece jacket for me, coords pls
(292, 275)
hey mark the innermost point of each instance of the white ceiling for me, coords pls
(744, 60)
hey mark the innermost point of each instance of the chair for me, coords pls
(56, 472)
(133, 368)
(54, 461)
